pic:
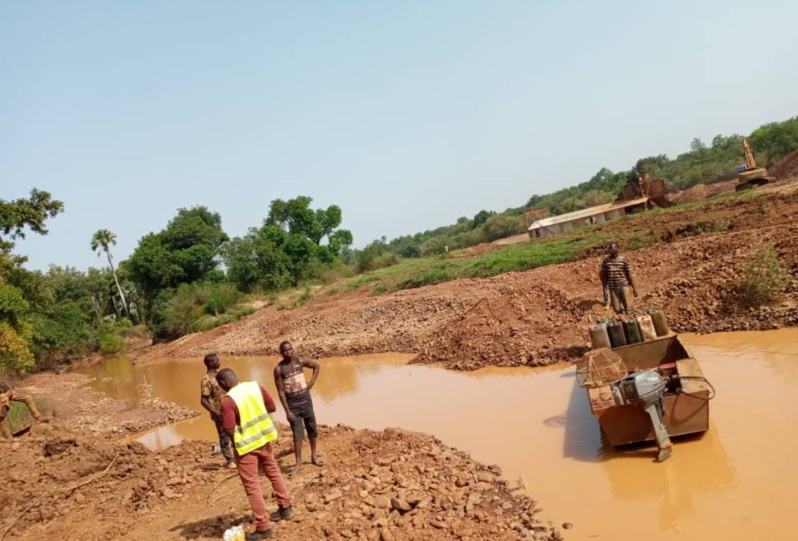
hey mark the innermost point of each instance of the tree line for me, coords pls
(187, 277)
(703, 163)
(191, 276)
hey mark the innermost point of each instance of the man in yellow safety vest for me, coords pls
(245, 417)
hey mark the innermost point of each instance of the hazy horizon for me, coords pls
(407, 116)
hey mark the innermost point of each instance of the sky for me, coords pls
(406, 114)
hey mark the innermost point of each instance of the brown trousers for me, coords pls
(248, 466)
(5, 406)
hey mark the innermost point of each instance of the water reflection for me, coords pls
(734, 482)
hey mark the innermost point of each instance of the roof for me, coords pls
(586, 213)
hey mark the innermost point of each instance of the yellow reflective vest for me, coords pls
(255, 428)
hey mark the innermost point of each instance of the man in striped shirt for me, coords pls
(616, 279)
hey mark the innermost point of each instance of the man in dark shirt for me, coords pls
(289, 378)
(616, 280)
(245, 417)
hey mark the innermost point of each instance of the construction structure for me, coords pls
(564, 223)
(638, 194)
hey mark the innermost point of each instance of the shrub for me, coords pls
(765, 278)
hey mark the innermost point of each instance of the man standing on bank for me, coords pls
(211, 396)
(245, 418)
(289, 378)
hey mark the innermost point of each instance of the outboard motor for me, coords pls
(647, 388)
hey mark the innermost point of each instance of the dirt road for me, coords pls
(540, 316)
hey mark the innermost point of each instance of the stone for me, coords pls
(400, 505)
(567, 525)
(435, 523)
(333, 495)
(80, 499)
(485, 477)
(386, 535)
(383, 502)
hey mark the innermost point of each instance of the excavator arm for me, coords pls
(750, 163)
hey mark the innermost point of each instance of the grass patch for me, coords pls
(208, 322)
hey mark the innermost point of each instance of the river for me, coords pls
(736, 482)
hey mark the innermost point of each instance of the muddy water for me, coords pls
(736, 482)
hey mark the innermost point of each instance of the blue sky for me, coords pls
(406, 114)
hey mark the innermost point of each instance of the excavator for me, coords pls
(750, 175)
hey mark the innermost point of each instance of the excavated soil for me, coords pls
(692, 271)
(73, 478)
(786, 168)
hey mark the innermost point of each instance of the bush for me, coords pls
(221, 297)
(502, 226)
(110, 343)
(765, 278)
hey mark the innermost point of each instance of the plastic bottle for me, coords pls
(632, 331)
(647, 330)
(660, 322)
(598, 336)
(616, 334)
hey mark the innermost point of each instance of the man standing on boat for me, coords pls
(289, 378)
(616, 280)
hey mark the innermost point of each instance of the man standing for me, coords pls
(289, 378)
(8, 395)
(211, 399)
(616, 279)
(245, 418)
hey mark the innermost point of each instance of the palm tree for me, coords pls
(103, 239)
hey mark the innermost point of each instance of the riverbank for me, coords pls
(691, 268)
(79, 477)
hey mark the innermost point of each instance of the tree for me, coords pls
(103, 239)
(296, 217)
(33, 212)
(186, 251)
(15, 328)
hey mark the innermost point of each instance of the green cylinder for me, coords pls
(632, 331)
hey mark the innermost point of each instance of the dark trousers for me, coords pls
(224, 441)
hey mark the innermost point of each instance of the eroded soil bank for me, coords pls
(75, 478)
(539, 317)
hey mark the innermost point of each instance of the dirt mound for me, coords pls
(699, 192)
(378, 485)
(786, 168)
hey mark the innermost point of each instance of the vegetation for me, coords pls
(190, 276)
(701, 164)
(765, 279)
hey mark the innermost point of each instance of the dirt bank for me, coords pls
(539, 317)
(75, 479)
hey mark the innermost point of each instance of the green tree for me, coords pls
(15, 329)
(187, 250)
(102, 240)
(296, 217)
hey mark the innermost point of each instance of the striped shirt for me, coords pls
(615, 270)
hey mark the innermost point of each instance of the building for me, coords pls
(554, 225)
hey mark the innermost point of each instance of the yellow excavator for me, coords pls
(750, 175)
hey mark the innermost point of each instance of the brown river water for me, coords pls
(738, 481)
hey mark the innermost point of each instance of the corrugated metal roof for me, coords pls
(585, 213)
